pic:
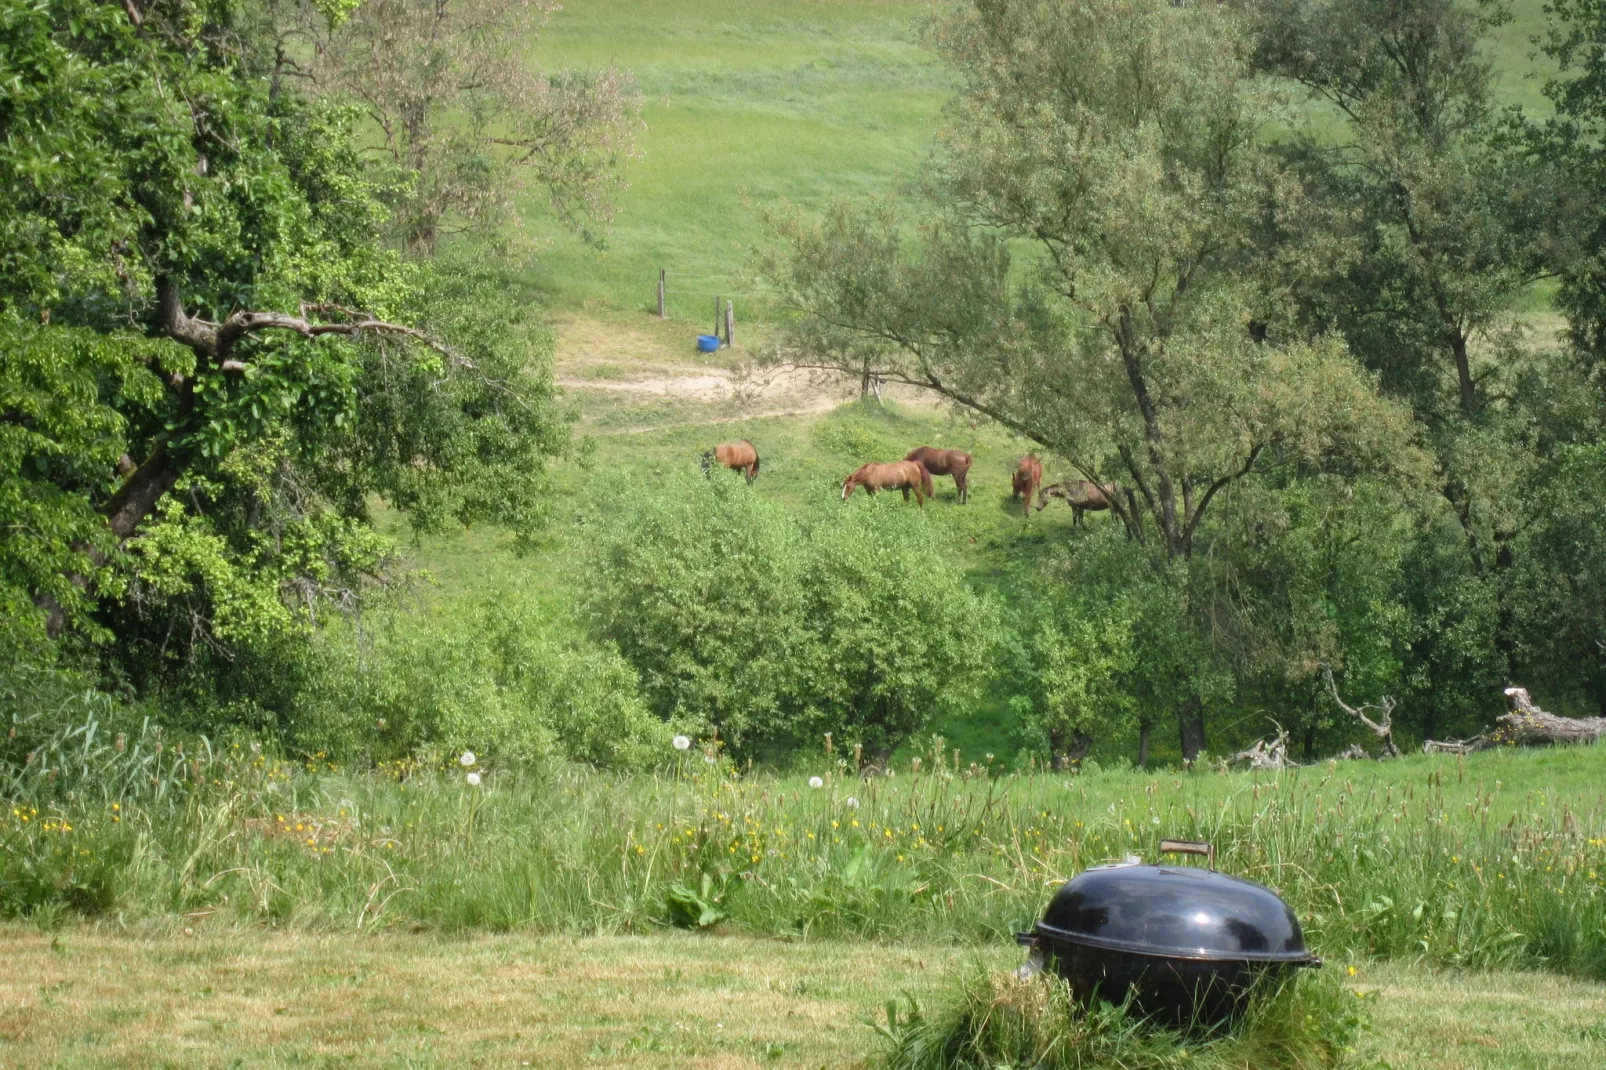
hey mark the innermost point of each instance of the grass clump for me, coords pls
(996, 1020)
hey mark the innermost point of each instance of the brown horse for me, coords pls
(899, 475)
(1028, 477)
(738, 456)
(954, 463)
(1081, 496)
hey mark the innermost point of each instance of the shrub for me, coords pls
(495, 676)
(855, 621)
(900, 640)
(698, 582)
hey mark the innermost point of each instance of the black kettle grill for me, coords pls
(1187, 943)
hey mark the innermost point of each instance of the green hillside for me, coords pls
(748, 103)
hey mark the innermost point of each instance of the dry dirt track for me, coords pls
(618, 365)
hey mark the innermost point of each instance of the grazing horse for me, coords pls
(899, 475)
(954, 463)
(1028, 477)
(738, 456)
(1083, 496)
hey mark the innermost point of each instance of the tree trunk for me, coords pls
(1143, 744)
(141, 491)
(1190, 722)
(1463, 374)
(1525, 725)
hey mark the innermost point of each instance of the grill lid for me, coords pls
(1175, 912)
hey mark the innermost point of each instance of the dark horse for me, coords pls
(1028, 477)
(954, 463)
(898, 475)
(1083, 497)
(738, 456)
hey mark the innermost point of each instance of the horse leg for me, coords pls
(962, 481)
(906, 495)
(1076, 515)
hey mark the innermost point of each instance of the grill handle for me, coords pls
(1190, 847)
(1026, 939)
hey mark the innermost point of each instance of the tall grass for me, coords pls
(998, 1020)
(1439, 861)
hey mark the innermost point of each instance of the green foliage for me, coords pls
(742, 619)
(494, 676)
(699, 583)
(698, 909)
(1559, 590)
(1498, 860)
(194, 412)
(899, 639)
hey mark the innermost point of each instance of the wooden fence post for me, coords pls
(661, 314)
(730, 323)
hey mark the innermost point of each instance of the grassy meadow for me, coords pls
(211, 903)
(745, 104)
(250, 908)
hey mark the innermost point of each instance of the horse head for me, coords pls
(849, 483)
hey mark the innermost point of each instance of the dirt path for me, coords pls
(614, 366)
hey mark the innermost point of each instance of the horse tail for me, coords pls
(708, 461)
(755, 459)
(925, 479)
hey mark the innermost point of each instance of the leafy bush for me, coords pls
(899, 639)
(698, 582)
(496, 677)
(855, 621)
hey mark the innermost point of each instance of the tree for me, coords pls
(207, 364)
(1446, 216)
(459, 117)
(1576, 138)
(1118, 144)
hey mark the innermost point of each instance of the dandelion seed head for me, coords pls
(473, 780)
(467, 760)
(816, 782)
(682, 742)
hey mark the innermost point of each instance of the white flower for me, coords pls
(853, 804)
(467, 759)
(473, 780)
(682, 742)
(709, 758)
(816, 782)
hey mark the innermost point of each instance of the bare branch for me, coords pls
(1383, 728)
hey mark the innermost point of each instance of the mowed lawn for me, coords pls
(246, 997)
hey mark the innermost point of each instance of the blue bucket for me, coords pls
(707, 343)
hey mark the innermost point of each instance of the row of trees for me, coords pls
(1268, 264)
